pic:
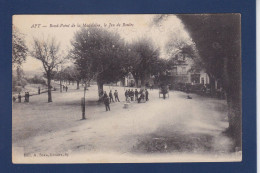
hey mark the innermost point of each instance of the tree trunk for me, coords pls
(49, 86)
(100, 90)
(234, 131)
(136, 82)
(232, 83)
(60, 86)
(77, 85)
(142, 82)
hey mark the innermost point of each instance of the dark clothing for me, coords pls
(132, 95)
(39, 90)
(28, 96)
(111, 97)
(106, 102)
(116, 96)
(136, 95)
(141, 97)
(126, 95)
(146, 95)
(19, 98)
(107, 107)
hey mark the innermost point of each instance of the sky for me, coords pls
(130, 28)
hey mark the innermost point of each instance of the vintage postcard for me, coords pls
(129, 88)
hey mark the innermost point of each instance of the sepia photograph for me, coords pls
(126, 88)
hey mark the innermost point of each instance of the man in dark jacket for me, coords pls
(111, 96)
(146, 95)
(126, 95)
(106, 101)
(132, 95)
(19, 98)
(136, 94)
(116, 96)
(141, 96)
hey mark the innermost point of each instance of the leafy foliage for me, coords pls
(19, 49)
(99, 54)
(218, 40)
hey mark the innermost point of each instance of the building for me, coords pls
(129, 80)
(181, 72)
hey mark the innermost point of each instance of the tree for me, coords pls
(19, 53)
(71, 74)
(144, 59)
(218, 40)
(47, 51)
(19, 48)
(99, 54)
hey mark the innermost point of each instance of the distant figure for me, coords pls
(141, 96)
(39, 90)
(111, 96)
(14, 98)
(136, 94)
(19, 98)
(63, 86)
(132, 95)
(126, 95)
(106, 101)
(25, 97)
(28, 96)
(116, 96)
(66, 88)
(146, 95)
(189, 97)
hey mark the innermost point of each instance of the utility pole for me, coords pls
(83, 103)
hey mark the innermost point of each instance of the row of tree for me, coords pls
(104, 56)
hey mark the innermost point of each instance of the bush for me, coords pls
(36, 80)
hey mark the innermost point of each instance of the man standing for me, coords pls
(116, 96)
(39, 90)
(146, 95)
(106, 101)
(19, 98)
(136, 94)
(132, 95)
(141, 96)
(25, 97)
(28, 95)
(111, 96)
(126, 95)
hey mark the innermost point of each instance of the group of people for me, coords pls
(65, 88)
(109, 98)
(130, 95)
(137, 96)
(26, 97)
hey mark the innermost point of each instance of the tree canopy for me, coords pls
(218, 40)
(19, 48)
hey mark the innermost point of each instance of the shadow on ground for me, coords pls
(176, 143)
